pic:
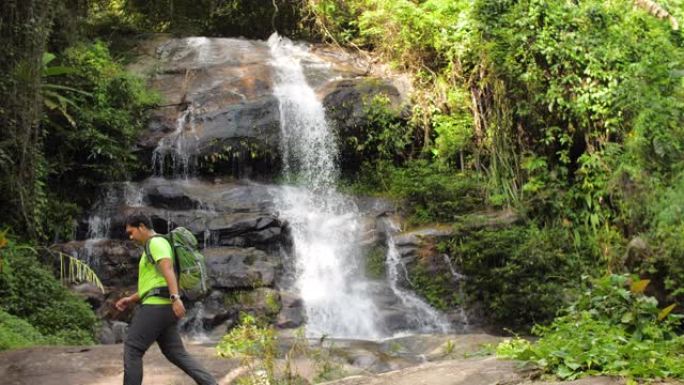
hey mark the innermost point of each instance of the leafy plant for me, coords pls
(255, 345)
(17, 333)
(24, 286)
(611, 329)
(519, 275)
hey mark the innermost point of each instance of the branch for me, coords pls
(658, 11)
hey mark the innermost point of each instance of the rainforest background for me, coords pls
(567, 114)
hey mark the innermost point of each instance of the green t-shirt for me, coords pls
(149, 275)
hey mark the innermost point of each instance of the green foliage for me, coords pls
(455, 130)
(29, 291)
(608, 330)
(388, 135)
(519, 275)
(434, 195)
(16, 333)
(251, 19)
(379, 135)
(665, 209)
(435, 286)
(255, 344)
(89, 140)
(569, 111)
(248, 340)
(24, 32)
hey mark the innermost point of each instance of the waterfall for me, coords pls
(324, 224)
(180, 147)
(421, 315)
(99, 225)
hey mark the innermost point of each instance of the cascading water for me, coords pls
(461, 293)
(99, 224)
(325, 225)
(421, 316)
(179, 147)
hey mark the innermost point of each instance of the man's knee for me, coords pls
(174, 353)
(132, 351)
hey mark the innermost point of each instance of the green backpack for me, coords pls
(188, 262)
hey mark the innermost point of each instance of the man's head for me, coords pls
(139, 227)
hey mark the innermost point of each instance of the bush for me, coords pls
(609, 330)
(89, 140)
(431, 193)
(29, 291)
(519, 275)
(17, 333)
(434, 194)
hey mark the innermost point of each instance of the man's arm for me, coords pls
(124, 302)
(166, 269)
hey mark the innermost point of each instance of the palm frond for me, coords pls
(73, 270)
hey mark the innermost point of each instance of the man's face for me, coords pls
(135, 233)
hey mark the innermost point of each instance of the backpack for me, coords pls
(188, 262)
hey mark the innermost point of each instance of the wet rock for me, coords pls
(262, 301)
(420, 236)
(291, 314)
(112, 332)
(232, 267)
(223, 89)
(89, 292)
(115, 262)
(169, 196)
(347, 104)
(212, 312)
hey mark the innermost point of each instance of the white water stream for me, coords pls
(179, 147)
(325, 225)
(421, 316)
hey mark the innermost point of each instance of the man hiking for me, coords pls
(156, 318)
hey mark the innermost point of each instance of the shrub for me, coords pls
(17, 333)
(519, 275)
(610, 329)
(29, 291)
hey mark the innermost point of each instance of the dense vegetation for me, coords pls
(35, 307)
(568, 113)
(611, 328)
(571, 114)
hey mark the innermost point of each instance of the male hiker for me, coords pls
(156, 319)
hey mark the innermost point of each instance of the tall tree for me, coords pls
(24, 30)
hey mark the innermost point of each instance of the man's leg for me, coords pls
(147, 324)
(172, 347)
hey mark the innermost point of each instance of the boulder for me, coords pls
(291, 314)
(232, 267)
(112, 332)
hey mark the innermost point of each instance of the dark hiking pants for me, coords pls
(158, 323)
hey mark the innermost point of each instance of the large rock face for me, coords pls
(218, 99)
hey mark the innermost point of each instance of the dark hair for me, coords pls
(137, 219)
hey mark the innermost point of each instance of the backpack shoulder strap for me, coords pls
(174, 256)
(148, 253)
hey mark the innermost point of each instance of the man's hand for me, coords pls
(178, 308)
(124, 303)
